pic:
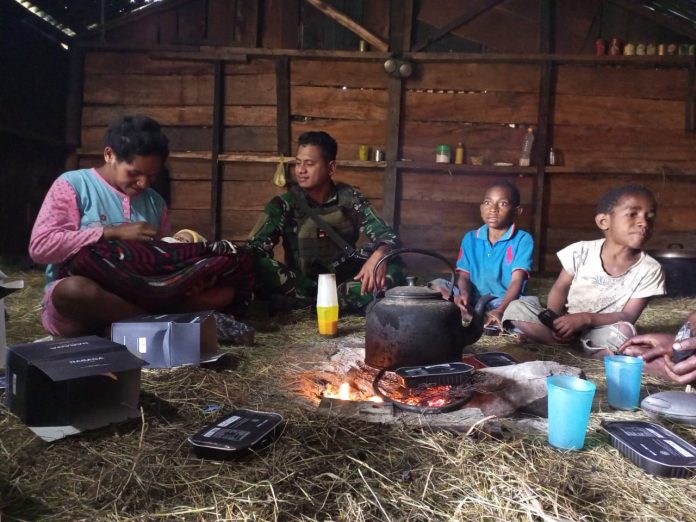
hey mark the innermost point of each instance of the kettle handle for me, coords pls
(422, 251)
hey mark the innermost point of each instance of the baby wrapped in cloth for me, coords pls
(154, 274)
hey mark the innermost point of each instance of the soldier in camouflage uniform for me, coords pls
(309, 251)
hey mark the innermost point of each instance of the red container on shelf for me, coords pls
(600, 47)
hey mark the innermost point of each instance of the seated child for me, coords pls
(605, 283)
(111, 203)
(494, 259)
(658, 350)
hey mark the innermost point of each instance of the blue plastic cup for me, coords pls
(569, 403)
(623, 374)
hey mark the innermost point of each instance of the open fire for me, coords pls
(420, 396)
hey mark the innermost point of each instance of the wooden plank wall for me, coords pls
(622, 119)
(604, 118)
(351, 105)
(487, 107)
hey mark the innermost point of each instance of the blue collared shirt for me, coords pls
(490, 267)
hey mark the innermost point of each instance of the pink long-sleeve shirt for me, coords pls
(76, 209)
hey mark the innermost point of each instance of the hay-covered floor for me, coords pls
(321, 468)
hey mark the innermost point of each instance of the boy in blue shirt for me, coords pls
(494, 259)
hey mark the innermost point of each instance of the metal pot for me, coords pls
(679, 266)
(413, 325)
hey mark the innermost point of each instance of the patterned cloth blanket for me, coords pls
(154, 274)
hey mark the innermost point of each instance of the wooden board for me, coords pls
(250, 89)
(349, 134)
(671, 219)
(358, 75)
(466, 216)
(459, 188)
(478, 107)
(105, 63)
(622, 82)
(335, 102)
(617, 112)
(491, 77)
(123, 89)
(493, 142)
(191, 115)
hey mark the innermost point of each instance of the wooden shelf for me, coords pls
(424, 166)
(664, 171)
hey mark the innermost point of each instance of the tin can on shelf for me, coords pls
(443, 154)
(651, 49)
(640, 49)
(363, 47)
(662, 49)
(364, 152)
(379, 155)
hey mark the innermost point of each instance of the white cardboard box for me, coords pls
(62, 387)
(169, 340)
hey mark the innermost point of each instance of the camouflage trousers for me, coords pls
(274, 277)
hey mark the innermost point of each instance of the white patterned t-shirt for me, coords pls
(595, 291)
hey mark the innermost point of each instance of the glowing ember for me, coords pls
(374, 398)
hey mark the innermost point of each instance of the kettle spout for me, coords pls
(474, 331)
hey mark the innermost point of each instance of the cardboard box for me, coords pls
(62, 387)
(6, 288)
(169, 340)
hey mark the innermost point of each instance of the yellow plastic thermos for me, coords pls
(327, 305)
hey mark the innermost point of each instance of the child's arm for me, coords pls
(512, 293)
(567, 325)
(558, 295)
(464, 286)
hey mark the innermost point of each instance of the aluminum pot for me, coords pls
(679, 266)
(413, 325)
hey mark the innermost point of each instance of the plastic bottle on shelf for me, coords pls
(459, 154)
(527, 144)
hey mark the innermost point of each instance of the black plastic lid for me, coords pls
(236, 432)
(653, 447)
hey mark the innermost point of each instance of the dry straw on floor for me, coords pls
(321, 468)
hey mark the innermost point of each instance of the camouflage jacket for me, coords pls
(283, 219)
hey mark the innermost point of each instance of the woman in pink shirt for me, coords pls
(113, 201)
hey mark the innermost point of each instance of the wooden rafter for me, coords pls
(670, 22)
(471, 13)
(375, 41)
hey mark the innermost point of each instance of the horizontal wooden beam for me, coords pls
(375, 41)
(236, 54)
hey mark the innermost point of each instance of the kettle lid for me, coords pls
(413, 292)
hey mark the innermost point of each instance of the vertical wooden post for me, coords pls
(73, 105)
(218, 134)
(690, 99)
(546, 35)
(400, 20)
(282, 70)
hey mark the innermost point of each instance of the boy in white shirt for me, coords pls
(605, 284)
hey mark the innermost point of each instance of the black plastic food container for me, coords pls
(236, 434)
(492, 359)
(448, 374)
(653, 447)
